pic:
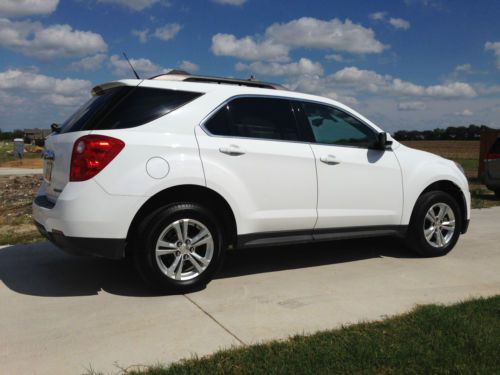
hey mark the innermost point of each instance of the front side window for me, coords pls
(333, 126)
(265, 118)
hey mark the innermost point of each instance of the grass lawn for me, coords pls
(433, 339)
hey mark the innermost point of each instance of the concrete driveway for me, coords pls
(64, 314)
(20, 171)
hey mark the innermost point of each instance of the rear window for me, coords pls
(126, 107)
(495, 149)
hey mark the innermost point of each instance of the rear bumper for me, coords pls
(85, 219)
(100, 247)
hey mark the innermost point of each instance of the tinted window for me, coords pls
(495, 148)
(265, 118)
(126, 107)
(219, 123)
(333, 126)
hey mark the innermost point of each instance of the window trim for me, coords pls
(297, 122)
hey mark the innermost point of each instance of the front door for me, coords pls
(358, 185)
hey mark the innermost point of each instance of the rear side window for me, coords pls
(264, 118)
(126, 107)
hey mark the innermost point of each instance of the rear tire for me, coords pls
(435, 224)
(497, 194)
(180, 247)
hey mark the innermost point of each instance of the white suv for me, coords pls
(175, 169)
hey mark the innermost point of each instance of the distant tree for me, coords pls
(459, 133)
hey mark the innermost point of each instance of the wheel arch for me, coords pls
(188, 193)
(454, 191)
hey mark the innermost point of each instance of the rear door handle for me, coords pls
(329, 159)
(232, 150)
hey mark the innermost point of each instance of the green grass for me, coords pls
(481, 196)
(433, 339)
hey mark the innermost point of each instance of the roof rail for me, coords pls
(179, 75)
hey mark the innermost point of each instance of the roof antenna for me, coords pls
(135, 73)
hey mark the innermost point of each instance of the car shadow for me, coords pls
(43, 270)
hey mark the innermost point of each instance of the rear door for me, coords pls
(358, 186)
(251, 154)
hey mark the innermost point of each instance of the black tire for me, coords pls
(149, 232)
(415, 237)
(497, 194)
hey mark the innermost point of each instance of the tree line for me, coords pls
(10, 135)
(457, 133)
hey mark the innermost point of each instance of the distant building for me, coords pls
(36, 134)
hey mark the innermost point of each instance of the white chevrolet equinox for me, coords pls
(175, 169)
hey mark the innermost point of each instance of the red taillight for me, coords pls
(492, 156)
(91, 153)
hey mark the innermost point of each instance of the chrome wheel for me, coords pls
(184, 249)
(439, 225)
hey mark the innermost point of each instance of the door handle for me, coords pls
(329, 159)
(232, 150)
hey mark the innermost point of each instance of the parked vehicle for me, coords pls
(174, 170)
(492, 168)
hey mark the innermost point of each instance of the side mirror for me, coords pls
(382, 142)
(55, 128)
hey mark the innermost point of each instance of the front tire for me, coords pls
(435, 224)
(180, 247)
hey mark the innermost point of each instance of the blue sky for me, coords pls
(406, 64)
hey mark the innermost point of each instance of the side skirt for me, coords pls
(318, 235)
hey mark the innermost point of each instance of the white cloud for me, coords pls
(335, 57)
(189, 66)
(412, 106)
(308, 32)
(230, 2)
(167, 32)
(303, 66)
(142, 35)
(399, 23)
(464, 68)
(23, 8)
(427, 3)
(136, 5)
(33, 39)
(368, 80)
(305, 32)
(144, 67)
(247, 48)
(378, 16)
(31, 99)
(17, 86)
(495, 47)
(465, 113)
(88, 63)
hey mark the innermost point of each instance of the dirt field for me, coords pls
(448, 149)
(16, 195)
